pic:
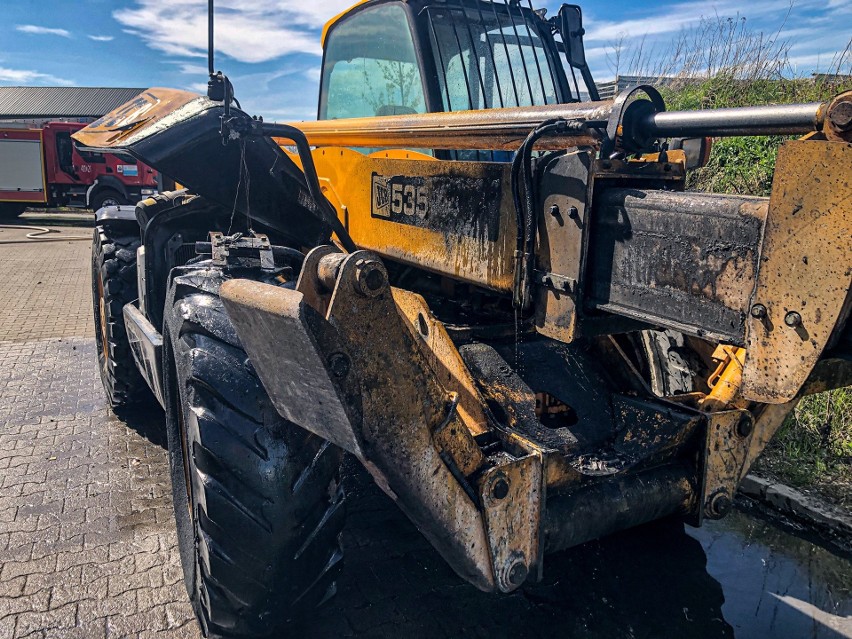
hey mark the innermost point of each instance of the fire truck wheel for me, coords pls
(11, 210)
(107, 197)
(258, 504)
(114, 285)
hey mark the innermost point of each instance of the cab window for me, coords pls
(370, 67)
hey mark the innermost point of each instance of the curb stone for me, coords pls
(792, 502)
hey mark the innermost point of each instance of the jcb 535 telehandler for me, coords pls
(480, 280)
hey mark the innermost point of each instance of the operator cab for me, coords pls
(404, 57)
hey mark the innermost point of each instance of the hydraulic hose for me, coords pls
(326, 210)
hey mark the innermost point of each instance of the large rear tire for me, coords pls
(258, 503)
(114, 284)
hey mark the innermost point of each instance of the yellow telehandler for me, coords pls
(479, 279)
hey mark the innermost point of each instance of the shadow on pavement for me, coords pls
(148, 420)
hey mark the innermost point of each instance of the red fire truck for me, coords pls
(44, 167)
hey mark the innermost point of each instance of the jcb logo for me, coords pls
(398, 197)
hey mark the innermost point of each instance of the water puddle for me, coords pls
(776, 584)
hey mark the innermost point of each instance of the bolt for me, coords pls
(718, 505)
(793, 319)
(841, 116)
(518, 573)
(370, 278)
(339, 365)
(745, 427)
(500, 488)
(758, 311)
(554, 210)
(573, 213)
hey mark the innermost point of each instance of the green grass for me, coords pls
(744, 166)
(813, 449)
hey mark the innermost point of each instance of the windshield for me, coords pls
(492, 56)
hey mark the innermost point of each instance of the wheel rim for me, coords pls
(103, 324)
(110, 201)
(184, 445)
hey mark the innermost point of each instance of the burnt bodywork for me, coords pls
(507, 425)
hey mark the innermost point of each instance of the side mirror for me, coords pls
(571, 28)
(569, 24)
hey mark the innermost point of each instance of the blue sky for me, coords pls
(271, 50)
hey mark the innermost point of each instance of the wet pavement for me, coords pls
(87, 543)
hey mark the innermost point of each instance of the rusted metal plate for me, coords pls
(805, 271)
(685, 261)
(512, 496)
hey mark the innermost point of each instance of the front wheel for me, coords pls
(257, 499)
(114, 284)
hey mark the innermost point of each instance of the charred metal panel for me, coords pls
(450, 204)
(562, 232)
(178, 134)
(686, 261)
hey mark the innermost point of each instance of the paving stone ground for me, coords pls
(37, 280)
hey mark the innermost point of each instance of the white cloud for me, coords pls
(25, 76)
(248, 32)
(193, 69)
(813, 29)
(35, 29)
(101, 38)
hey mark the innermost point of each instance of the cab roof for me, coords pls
(339, 16)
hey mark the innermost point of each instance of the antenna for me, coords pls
(210, 66)
(216, 83)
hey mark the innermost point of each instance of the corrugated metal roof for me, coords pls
(61, 102)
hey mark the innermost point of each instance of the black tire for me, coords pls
(11, 210)
(258, 502)
(114, 284)
(108, 197)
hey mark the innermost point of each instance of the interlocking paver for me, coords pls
(69, 565)
(44, 289)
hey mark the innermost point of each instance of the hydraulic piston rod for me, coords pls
(787, 119)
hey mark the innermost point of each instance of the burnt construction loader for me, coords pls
(485, 283)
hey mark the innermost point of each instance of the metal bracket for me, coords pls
(556, 282)
(726, 449)
(223, 245)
